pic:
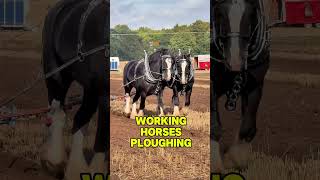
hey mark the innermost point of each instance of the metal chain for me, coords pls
(233, 94)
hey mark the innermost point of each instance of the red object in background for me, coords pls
(202, 62)
(204, 65)
(302, 12)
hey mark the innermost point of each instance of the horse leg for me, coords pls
(160, 108)
(77, 163)
(134, 105)
(187, 101)
(127, 90)
(142, 104)
(238, 154)
(216, 164)
(99, 163)
(175, 102)
(53, 152)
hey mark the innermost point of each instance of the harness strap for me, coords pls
(136, 67)
(148, 74)
(83, 20)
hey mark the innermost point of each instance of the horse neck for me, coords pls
(155, 63)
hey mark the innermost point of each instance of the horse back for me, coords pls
(129, 72)
(49, 55)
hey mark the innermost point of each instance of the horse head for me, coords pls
(165, 61)
(183, 68)
(237, 28)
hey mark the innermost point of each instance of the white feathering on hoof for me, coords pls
(161, 112)
(77, 163)
(216, 159)
(141, 113)
(176, 111)
(127, 106)
(98, 164)
(53, 151)
(133, 111)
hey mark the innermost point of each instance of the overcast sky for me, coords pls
(158, 14)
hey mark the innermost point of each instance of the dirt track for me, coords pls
(288, 119)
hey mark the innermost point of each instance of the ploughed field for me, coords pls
(288, 118)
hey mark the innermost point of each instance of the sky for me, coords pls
(158, 14)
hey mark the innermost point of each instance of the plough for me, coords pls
(9, 115)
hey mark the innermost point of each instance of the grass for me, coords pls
(28, 135)
(264, 167)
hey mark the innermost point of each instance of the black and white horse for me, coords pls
(240, 54)
(147, 77)
(182, 82)
(71, 26)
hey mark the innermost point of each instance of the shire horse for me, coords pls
(241, 55)
(182, 82)
(147, 77)
(72, 27)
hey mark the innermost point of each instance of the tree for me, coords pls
(203, 36)
(129, 47)
(125, 43)
(183, 41)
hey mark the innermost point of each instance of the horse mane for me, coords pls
(159, 53)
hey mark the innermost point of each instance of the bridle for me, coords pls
(189, 70)
(149, 74)
(258, 45)
(166, 68)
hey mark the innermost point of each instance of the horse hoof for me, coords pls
(127, 112)
(98, 164)
(176, 111)
(237, 156)
(141, 113)
(52, 160)
(216, 161)
(75, 168)
(133, 116)
(56, 170)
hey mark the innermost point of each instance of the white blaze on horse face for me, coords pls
(236, 12)
(183, 72)
(169, 65)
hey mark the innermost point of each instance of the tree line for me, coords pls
(130, 44)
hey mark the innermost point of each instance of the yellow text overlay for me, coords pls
(164, 132)
(164, 143)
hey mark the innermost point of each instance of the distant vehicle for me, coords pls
(114, 63)
(202, 62)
